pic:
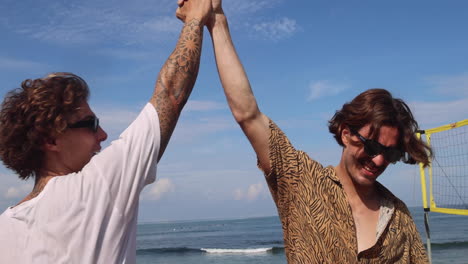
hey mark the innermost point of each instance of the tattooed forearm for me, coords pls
(177, 78)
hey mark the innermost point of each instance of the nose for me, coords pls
(379, 160)
(101, 134)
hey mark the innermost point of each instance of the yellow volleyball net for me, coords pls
(445, 181)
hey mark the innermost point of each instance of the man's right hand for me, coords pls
(217, 6)
(217, 11)
(194, 9)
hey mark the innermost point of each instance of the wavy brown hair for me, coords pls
(35, 113)
(378, 108)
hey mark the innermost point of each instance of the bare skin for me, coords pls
(357, 173)
(69, 151)
(365, 209)
(172, 90)
(38, 187)
(237, 87)
(176, 79)
(364, 201)
(177, 76)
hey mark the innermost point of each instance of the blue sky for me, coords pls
(304, 60)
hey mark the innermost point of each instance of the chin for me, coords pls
(365, 180)
(369, 176)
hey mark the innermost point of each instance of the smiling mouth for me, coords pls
(373, 170)
(370, 167)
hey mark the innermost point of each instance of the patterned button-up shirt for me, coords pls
(318, 224)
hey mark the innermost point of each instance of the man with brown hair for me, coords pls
(84, 204)
(331, 214)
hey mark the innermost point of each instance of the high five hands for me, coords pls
(206, 11)
(194, 9)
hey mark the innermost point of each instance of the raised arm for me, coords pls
(178, 75)
(237, 87)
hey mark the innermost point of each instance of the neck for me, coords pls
(40, 182)
(355, 192)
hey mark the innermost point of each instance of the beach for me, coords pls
(259, 240)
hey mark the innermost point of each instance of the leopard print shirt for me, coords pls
(317, 221)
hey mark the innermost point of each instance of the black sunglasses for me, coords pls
(374, 148)
(91, 123)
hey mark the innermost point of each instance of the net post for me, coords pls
(422, 175)
(428, 234)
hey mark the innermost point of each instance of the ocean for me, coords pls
(259, 240)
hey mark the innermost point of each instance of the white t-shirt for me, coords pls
(89, 216)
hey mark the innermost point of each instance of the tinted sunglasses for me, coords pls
(91, 123)
(374, 148)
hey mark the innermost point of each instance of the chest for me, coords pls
(365, 222)
(322, 222)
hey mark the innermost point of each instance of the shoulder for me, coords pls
(400, 207)
(388, 195)
(277, 136)
(311, 164)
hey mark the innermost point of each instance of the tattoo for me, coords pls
(38, 187)
(177, 78)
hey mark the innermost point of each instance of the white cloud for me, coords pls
(196, 105)
(252, 193)
(238, 194)
(429, 114)
(278, 29)
(115, 119)
(18, 191)
(140, 22)
(325, 88)
(455, 85)
(209, 177)
(22, 65)
(159, 189)
(127, 54)
(121, 22)
(161, 24)
(403, 181)
(190, 129)
(239, 7)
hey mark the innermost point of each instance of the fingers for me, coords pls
(199, 9)
(179, 14)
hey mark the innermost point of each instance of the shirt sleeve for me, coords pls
(284, 167)
(129, 163)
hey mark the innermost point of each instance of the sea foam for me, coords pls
(237, 251)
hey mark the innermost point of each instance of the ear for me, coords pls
(50, 144)
(345, 134)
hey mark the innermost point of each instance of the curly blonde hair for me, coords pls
(35, 113)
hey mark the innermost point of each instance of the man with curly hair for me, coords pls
(338, 214)
(84, 204)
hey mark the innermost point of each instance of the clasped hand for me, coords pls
(204, 10)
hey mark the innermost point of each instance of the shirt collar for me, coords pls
(330, 173)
